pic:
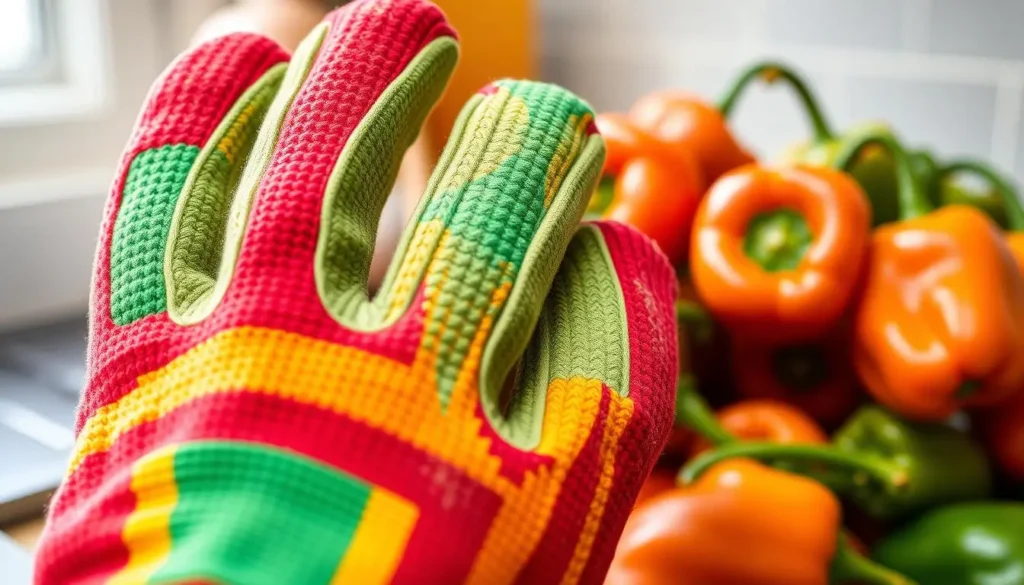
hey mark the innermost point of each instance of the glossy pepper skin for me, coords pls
(741, 523)
(785, 525)
(766, 420)
(776, 253)
(815, 377)
(962, 544)
(888, 466)
(940, 324)
(687, 120)
(654, 186)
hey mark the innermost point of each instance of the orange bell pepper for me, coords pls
(1015, 241)
(815, 377)
(686, 119)
(648, 184)
(766, 420)
(741, 523)
(941, 322)
(1011, 203)
(776, 253)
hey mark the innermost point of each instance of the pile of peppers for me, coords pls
(850, 406)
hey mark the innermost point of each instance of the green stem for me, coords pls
(849, 566)
(890, 476)
(771, 71)
(693, 412)
(913, 200)
(1011, 203)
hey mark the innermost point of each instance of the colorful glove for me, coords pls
(252, 417)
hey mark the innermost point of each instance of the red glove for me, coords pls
(252, 417)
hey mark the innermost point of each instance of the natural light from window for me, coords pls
(18, 34)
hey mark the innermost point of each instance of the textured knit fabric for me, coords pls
(252, 417)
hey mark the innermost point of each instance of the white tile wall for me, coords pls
(948, 74)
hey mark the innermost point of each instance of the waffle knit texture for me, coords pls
(251, 416)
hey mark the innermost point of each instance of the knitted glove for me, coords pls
(252, 417)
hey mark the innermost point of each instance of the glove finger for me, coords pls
(181, 114)
(488, 236)
(374, 70)
(596, 392)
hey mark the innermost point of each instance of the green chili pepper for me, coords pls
(888, 466)
(978, 543)
(875, 170)
(942, 464)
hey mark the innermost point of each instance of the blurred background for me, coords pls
(946, 74)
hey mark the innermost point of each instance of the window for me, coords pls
(73, 74)
(22, 37)
(54, 58)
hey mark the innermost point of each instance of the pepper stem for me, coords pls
(849, 566)
(863, 467)
(771, 71)
(913, 200)
(693, 412)
(1012, 205)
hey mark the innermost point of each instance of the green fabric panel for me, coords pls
(521, 426)
(362, 179)
(257, 515)
(154, 182)
(582, 332)
(201, 218)
(587, 315)
(493, 218)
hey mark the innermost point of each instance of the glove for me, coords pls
(252, 417)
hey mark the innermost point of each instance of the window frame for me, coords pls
(73, 78)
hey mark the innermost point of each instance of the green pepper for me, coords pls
(977, 543)
(943, 464)
(875, 170)
(888, 466)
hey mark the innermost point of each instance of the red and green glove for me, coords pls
(252, 417)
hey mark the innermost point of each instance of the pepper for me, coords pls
(649, 184)
(777, 253)
(741, 523)
(940, 324)
(690, 121)
(888, 466)
(1004, 193)
(815, 377)
(765, 420)
(873, 170)
(1002, 430)
(979, 543)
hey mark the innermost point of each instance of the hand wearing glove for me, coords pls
(252, 417)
